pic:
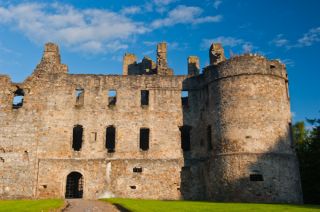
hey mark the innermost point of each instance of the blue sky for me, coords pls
(94, 35)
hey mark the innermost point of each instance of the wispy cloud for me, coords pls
(93, 30)
(307, 39)
(217, 3)
(130, 10)
(228, 41)
(288, 62)
(184, 14)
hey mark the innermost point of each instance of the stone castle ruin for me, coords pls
(221, 135)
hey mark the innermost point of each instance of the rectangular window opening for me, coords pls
(112, 97)
(144, 97)
(209, 137)
(185, 137)
(144, 139)
(77, 137)
(79, 97)
(111, 139)
(137, 169)
(256, 177)
(185, 98)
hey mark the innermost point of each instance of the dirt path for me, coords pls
(81, 205)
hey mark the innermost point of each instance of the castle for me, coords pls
(220, 135)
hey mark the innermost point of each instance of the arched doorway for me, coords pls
(74, 185)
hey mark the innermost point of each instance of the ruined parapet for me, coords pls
(216, 54)
(50, 62)
(162, 65)
(193, 65)
(148, 66)
(129, 60)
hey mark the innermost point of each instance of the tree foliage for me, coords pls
(307, 142)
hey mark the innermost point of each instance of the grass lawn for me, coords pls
(169, 206)
(30, 205)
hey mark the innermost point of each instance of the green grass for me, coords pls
(170, 206)
(30, 205)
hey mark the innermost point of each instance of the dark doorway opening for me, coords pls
(74, 185)
(144, 139)
(185, 137)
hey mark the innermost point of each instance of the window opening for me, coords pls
(209, 137)
(137, 169)
(77, 137)
(185, 98)
(144, 139)
(74, 185)
(185, 137)
(18, 99)
(112, 97)
(79, 97)
(144, 97)
(111, 139)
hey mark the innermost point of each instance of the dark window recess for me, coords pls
(18, 99)
(272, 66)
(79, 97)
(144, 97)
(133, 187)
(185, 98)
(256, 177)
(185, 137)
(209, 137)
(111, 139)
(144, 139)
(77, 137)
(137, 169)
(112, 97)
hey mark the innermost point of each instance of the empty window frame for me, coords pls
(256, 176)
(79, 97)
(185, 137)
(144, 97)
(18, 99)
(111, 139)
(209, 138)
(77, 137)
(185, 98)
(137, 169)
(112, 97)
(144, 139)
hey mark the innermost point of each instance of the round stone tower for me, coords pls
(253, 157)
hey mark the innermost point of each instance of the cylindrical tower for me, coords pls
(253, 158)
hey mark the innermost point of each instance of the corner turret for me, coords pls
(216, 54)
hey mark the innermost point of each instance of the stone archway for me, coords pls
(74, 185)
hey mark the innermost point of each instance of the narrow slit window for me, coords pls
(144, 97)
(79, 97)
(112, 97)
(111, 139)
(185, 98)
(77, 137)
(185, 137)
(209, 137)
(144, 139)
(18, 99)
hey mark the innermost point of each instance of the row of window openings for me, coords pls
(112, 98)
(143, 138)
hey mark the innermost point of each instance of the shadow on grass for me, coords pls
(121, 208)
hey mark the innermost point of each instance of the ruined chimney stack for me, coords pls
(128, 60)
(216, 54)
(162, 65)
(193, 66)
(51, 54)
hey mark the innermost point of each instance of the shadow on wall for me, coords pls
(219, 169)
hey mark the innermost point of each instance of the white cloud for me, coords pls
(288, 62)
(163, 2)
(93, 30)
(230, 42)
(217, 3)
(130, 10)
(308, 39)
(183, 15)
(280, 41)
